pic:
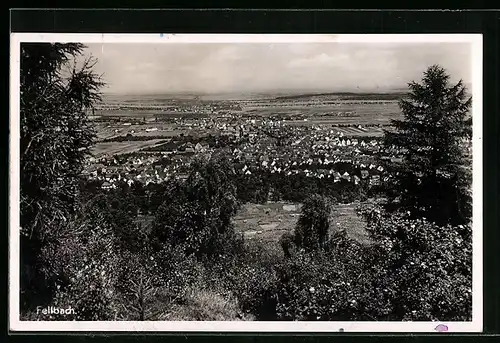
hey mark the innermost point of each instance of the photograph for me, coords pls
(223, 182)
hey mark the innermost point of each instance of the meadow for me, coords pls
(267, 222)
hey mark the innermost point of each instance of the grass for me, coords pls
(207, 305)
(347, 218)
(267, 222)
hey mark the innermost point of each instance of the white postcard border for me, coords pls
(476, 325)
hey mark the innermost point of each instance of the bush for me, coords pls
(84, 267)
(323, 285)
(312, 286)
(151, 283)
(207, 305)
(178, 271)
(287, 243)
(119, 215)
(414, 270)
(255, 287)
(249, 276)
(141, 285)
(425, 268)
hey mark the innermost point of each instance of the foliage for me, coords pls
(434, 179)
(424, 269)
(323, 285)
(283, 134)
(55, 132)
(208, 305)
(178, 270)
(251, 278)
(141, 286)
(287, 243)
(311, 231)
(198, 214)
(121, 217)
(255, 288)
(317, 285)
(415, 271)
(84, 265)
(55, 138)
(262, 185)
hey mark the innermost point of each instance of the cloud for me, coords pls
(249, 67)
(143, 67)
(321, 60)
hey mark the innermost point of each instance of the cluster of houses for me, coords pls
(313, 151)
(340, 159)
(145, 169)
(174, 106)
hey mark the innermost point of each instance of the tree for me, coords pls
(140, 196)
(434, 177)
(198, 214)
(120, 216)
(139, 284)
(55, 138)
(282, 134)
(311, 232)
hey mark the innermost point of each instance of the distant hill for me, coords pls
(349, 96)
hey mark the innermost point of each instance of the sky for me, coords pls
(262, 67)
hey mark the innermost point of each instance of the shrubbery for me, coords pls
(427, 267)
(207, 304)
(255, 288)
(412, 269)
(83, 264)
(317, 285)
(262, 186)
(415, 270)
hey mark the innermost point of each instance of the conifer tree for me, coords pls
(434, 177)
(56, 135)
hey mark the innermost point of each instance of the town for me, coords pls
(284, 146)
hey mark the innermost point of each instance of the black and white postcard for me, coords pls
(246, 183)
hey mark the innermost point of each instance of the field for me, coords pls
(110, 130)
(267, 222)
(363, 111)
(116, 148)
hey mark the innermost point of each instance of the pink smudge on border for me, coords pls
(441, 328)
